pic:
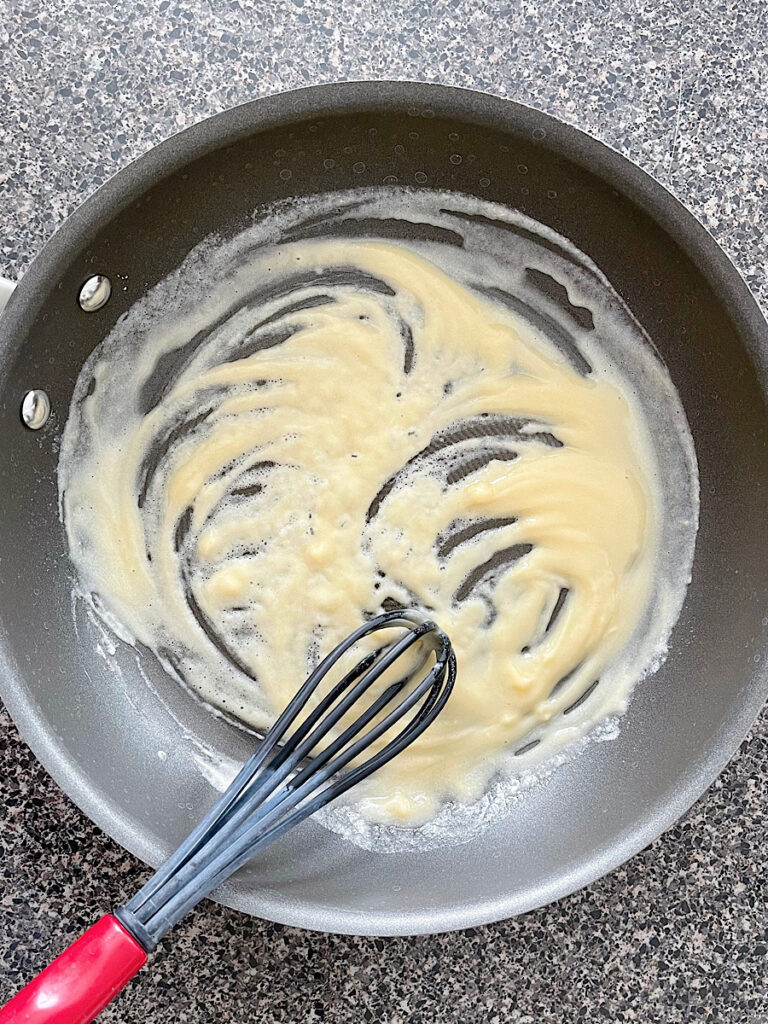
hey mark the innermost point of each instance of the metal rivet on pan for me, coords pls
(95, 293)
(35, 409)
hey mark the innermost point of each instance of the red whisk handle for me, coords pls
(79, 983)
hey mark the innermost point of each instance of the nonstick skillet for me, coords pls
(99, 735)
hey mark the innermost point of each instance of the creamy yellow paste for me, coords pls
(332, 425)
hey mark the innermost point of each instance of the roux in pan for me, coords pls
(359, 406)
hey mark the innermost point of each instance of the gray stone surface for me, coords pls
(679, 933)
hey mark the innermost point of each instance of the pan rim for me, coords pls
(468, 105)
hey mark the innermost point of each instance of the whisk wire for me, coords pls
(283, 782)
(263, 811)
(268, 825)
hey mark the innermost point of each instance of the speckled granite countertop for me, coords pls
(679, 933)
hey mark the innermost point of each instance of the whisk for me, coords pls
(291, 775)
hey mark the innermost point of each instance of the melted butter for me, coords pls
(342, 421)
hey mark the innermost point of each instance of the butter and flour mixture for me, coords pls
(388, 398)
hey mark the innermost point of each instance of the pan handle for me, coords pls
(79, 983)
(6, 287)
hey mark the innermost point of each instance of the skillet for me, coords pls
(99, 736)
